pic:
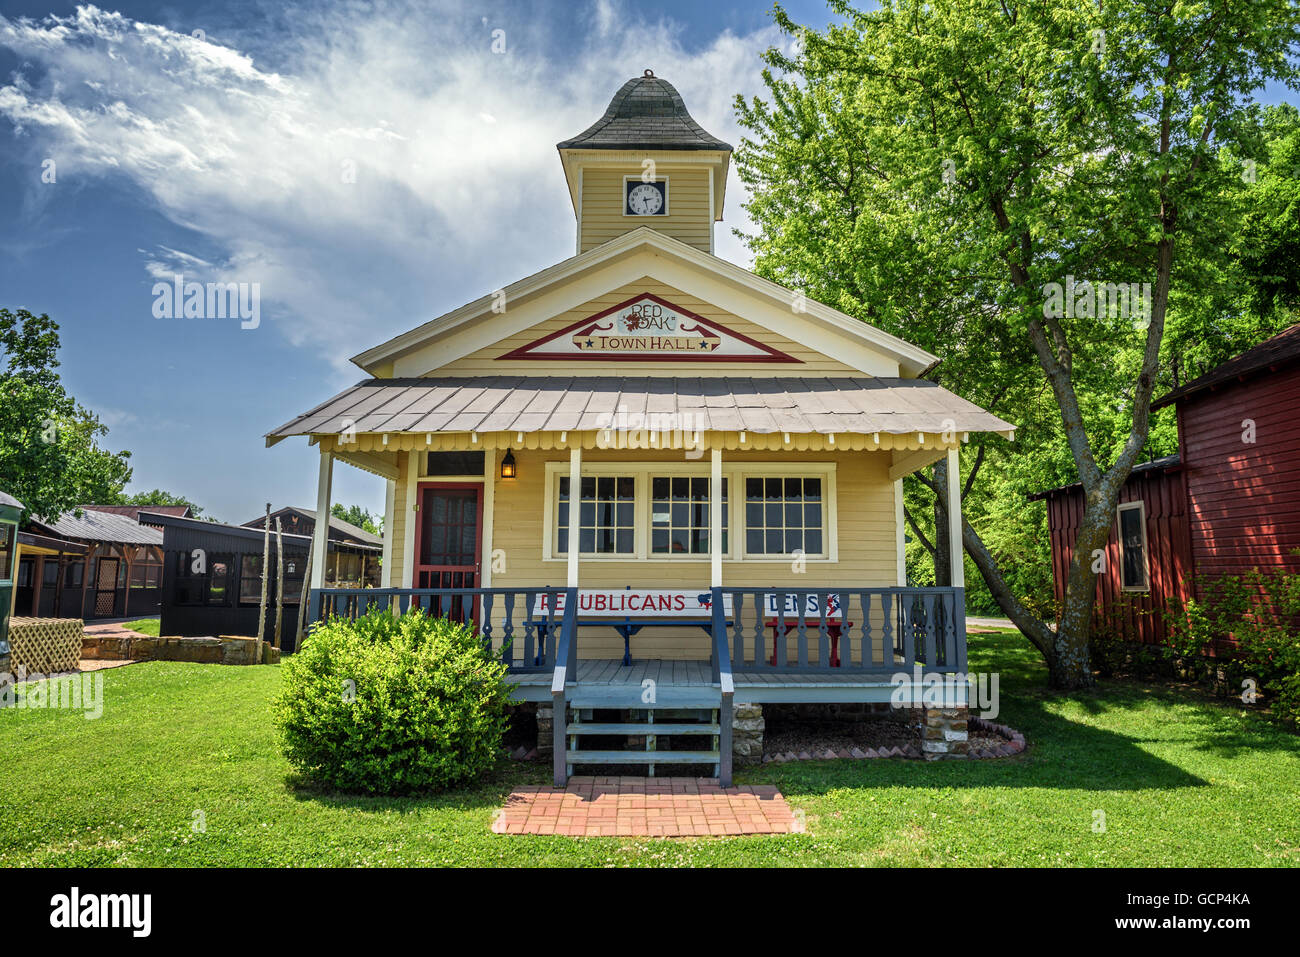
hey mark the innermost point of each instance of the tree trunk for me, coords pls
(942, 548)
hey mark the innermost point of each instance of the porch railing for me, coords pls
(515, 619)
(882, 630)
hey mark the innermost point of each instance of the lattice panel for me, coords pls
(46, 645)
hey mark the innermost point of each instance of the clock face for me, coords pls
(646, 199)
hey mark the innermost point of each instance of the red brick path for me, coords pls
(645, 807)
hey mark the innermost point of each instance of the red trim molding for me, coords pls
(768, 353)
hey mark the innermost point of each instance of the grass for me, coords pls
(145, 626)
(183, 769)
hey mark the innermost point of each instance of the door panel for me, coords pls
(448, 542)
(106, 587)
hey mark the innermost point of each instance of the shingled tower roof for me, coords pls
(647, 113)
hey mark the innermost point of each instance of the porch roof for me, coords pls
(531, 404)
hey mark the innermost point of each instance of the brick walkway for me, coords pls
(645, 807)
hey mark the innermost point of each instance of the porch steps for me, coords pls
(639, 728)
(630, 696)
(675, 721)
(643, 757)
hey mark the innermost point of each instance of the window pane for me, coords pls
(753, 488)
(564, 489)
(659, 540)
(659, 488)
(773, 542)
(812, 541)
(627, 488)
(754, 541)
(772, 488)
(812, 489)
(794, 488)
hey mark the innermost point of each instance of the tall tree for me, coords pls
(50, 457)
(358, 516)
(948, 170)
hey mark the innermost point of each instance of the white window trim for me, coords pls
(735, 473)
(1141, 508)
(667, 197)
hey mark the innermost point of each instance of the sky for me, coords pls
(370, 166)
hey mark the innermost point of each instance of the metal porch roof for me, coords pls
(582, 403)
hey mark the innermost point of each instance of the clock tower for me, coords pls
(646, 162)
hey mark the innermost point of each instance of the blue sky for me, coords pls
(210, 139)
(220, 155)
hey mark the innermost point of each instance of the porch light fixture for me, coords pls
(508, 465)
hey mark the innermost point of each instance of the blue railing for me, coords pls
(515, 619)
(846, 629)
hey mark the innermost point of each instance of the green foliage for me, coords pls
(931, 167)
(1260, 611)
(158, 496)
(392, 704)
(50, 457)
(360, 517)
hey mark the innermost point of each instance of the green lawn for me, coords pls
(145, 626)
(1182, 781)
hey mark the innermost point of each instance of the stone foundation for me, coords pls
(223, 650)
(944, 733)
(545, 732)
(747, 727)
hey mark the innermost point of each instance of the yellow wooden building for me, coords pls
(737, 452)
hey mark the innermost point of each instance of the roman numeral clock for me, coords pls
(645, 199)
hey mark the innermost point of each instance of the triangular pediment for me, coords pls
(648, 328)
(723, 310)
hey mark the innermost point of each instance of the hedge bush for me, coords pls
(392, 704)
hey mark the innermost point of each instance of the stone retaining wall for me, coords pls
(222, 650)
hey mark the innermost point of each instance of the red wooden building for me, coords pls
(1228, 502)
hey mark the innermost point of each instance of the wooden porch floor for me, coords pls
(610, 683)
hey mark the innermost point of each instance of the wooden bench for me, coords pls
(630, 610)
(835, 623)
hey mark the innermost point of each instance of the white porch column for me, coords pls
(390, 502)
(320, 534)
(411, 509)
(900, 534)
(489, 508)
(957, 554)
(575, 496)
(715, 518)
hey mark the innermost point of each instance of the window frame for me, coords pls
(664, 214)
(1140, 507)
(734, 472)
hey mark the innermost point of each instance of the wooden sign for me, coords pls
(647, 328)
(636, 603)
(811, 611)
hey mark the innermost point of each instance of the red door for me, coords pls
(448, 541)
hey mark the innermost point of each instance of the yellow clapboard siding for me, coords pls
(689, 217)
(487, 361)
(866, 541)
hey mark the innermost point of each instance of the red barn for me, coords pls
(1229, 501)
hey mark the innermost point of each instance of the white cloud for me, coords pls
(388, 169)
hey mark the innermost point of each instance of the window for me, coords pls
(50, 573)
(783, 515)
(454, 463)
(679, 515)
(659, 511)
(218, 582)
(146, 575)
(72, 574)
(1133, 546)
(606, 515)
(250, 579)
(7, 536)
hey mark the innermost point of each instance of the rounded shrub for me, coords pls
(392, 704)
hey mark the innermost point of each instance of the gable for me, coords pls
(703, 340)
(637, 259)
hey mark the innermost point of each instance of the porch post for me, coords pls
(900, 534)
(957, 555)
(390, 503)
(715, 518)
(320, 534)
(489, 510)
(575, 496)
